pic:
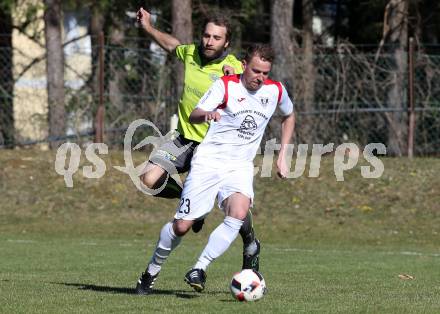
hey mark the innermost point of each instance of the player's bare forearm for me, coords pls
(287, 129)
(200, 116)
(166, 41)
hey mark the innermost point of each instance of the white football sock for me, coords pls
(219, 241)
(166, 243)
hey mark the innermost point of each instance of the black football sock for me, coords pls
(171, 190)
(247, 230)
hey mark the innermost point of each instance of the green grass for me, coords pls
(327, 246)
(90, 274)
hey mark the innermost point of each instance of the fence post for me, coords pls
(411, 112)
(99, 119)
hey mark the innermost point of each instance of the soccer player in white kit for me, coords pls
(239, 108)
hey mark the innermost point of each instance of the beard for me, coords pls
(211, 53)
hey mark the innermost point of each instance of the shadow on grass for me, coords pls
(124, 290)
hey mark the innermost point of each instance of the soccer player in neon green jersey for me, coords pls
(204, 63)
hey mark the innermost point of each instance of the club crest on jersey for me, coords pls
(213, 77)
(264, 101)
(248, 124)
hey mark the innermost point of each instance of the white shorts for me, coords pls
(206, 181)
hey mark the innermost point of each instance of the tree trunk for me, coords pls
(6, 80)
(398, 40)
(96, 31)
(54, 69)
(281, 38)
(181, 11)
(307, 125)
(116, 72)
(96, 27)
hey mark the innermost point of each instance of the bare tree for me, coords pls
(307, 127)
(281, 39)
(54, 68)
(116, 72)
(181, 12)
(396, 36)
(96, 31)
(6, 79)
(96, 27)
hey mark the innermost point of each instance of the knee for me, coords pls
(237, 206)
(181, 227)
(239, 212)
(153, 176)
(148, 180)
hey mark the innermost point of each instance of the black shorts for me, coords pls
(172, 154)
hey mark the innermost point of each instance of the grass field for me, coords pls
(327, 246)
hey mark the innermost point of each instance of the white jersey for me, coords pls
(244, 117)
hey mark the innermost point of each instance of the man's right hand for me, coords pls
(143, 18)
(200, 116)
(166, 41)
(212, 115)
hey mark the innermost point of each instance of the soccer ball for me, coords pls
(248, 285)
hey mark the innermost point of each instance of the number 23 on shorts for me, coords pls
(184, 206)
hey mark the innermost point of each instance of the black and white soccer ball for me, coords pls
(248, 285)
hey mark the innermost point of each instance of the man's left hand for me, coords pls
(228, 70)
(282, 169)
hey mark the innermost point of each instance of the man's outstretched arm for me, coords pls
(206, 109)
(287, 129)
(199, 116)
(166, 41)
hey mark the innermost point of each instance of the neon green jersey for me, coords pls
(198, 79)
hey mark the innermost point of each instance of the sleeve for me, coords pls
(285, 105)
(213, 97)
(181, 51)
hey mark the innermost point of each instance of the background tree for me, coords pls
(282, 41)
(396, 36)
(308, 78)
(54, 68)
(6, 78)
(182, 29)
(97, 20)
(140, 84)
(115, 57)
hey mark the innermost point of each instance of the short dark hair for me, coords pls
(219, 20)
(264, 51)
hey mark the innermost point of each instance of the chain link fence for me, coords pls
(362, 97)
(357, 96)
